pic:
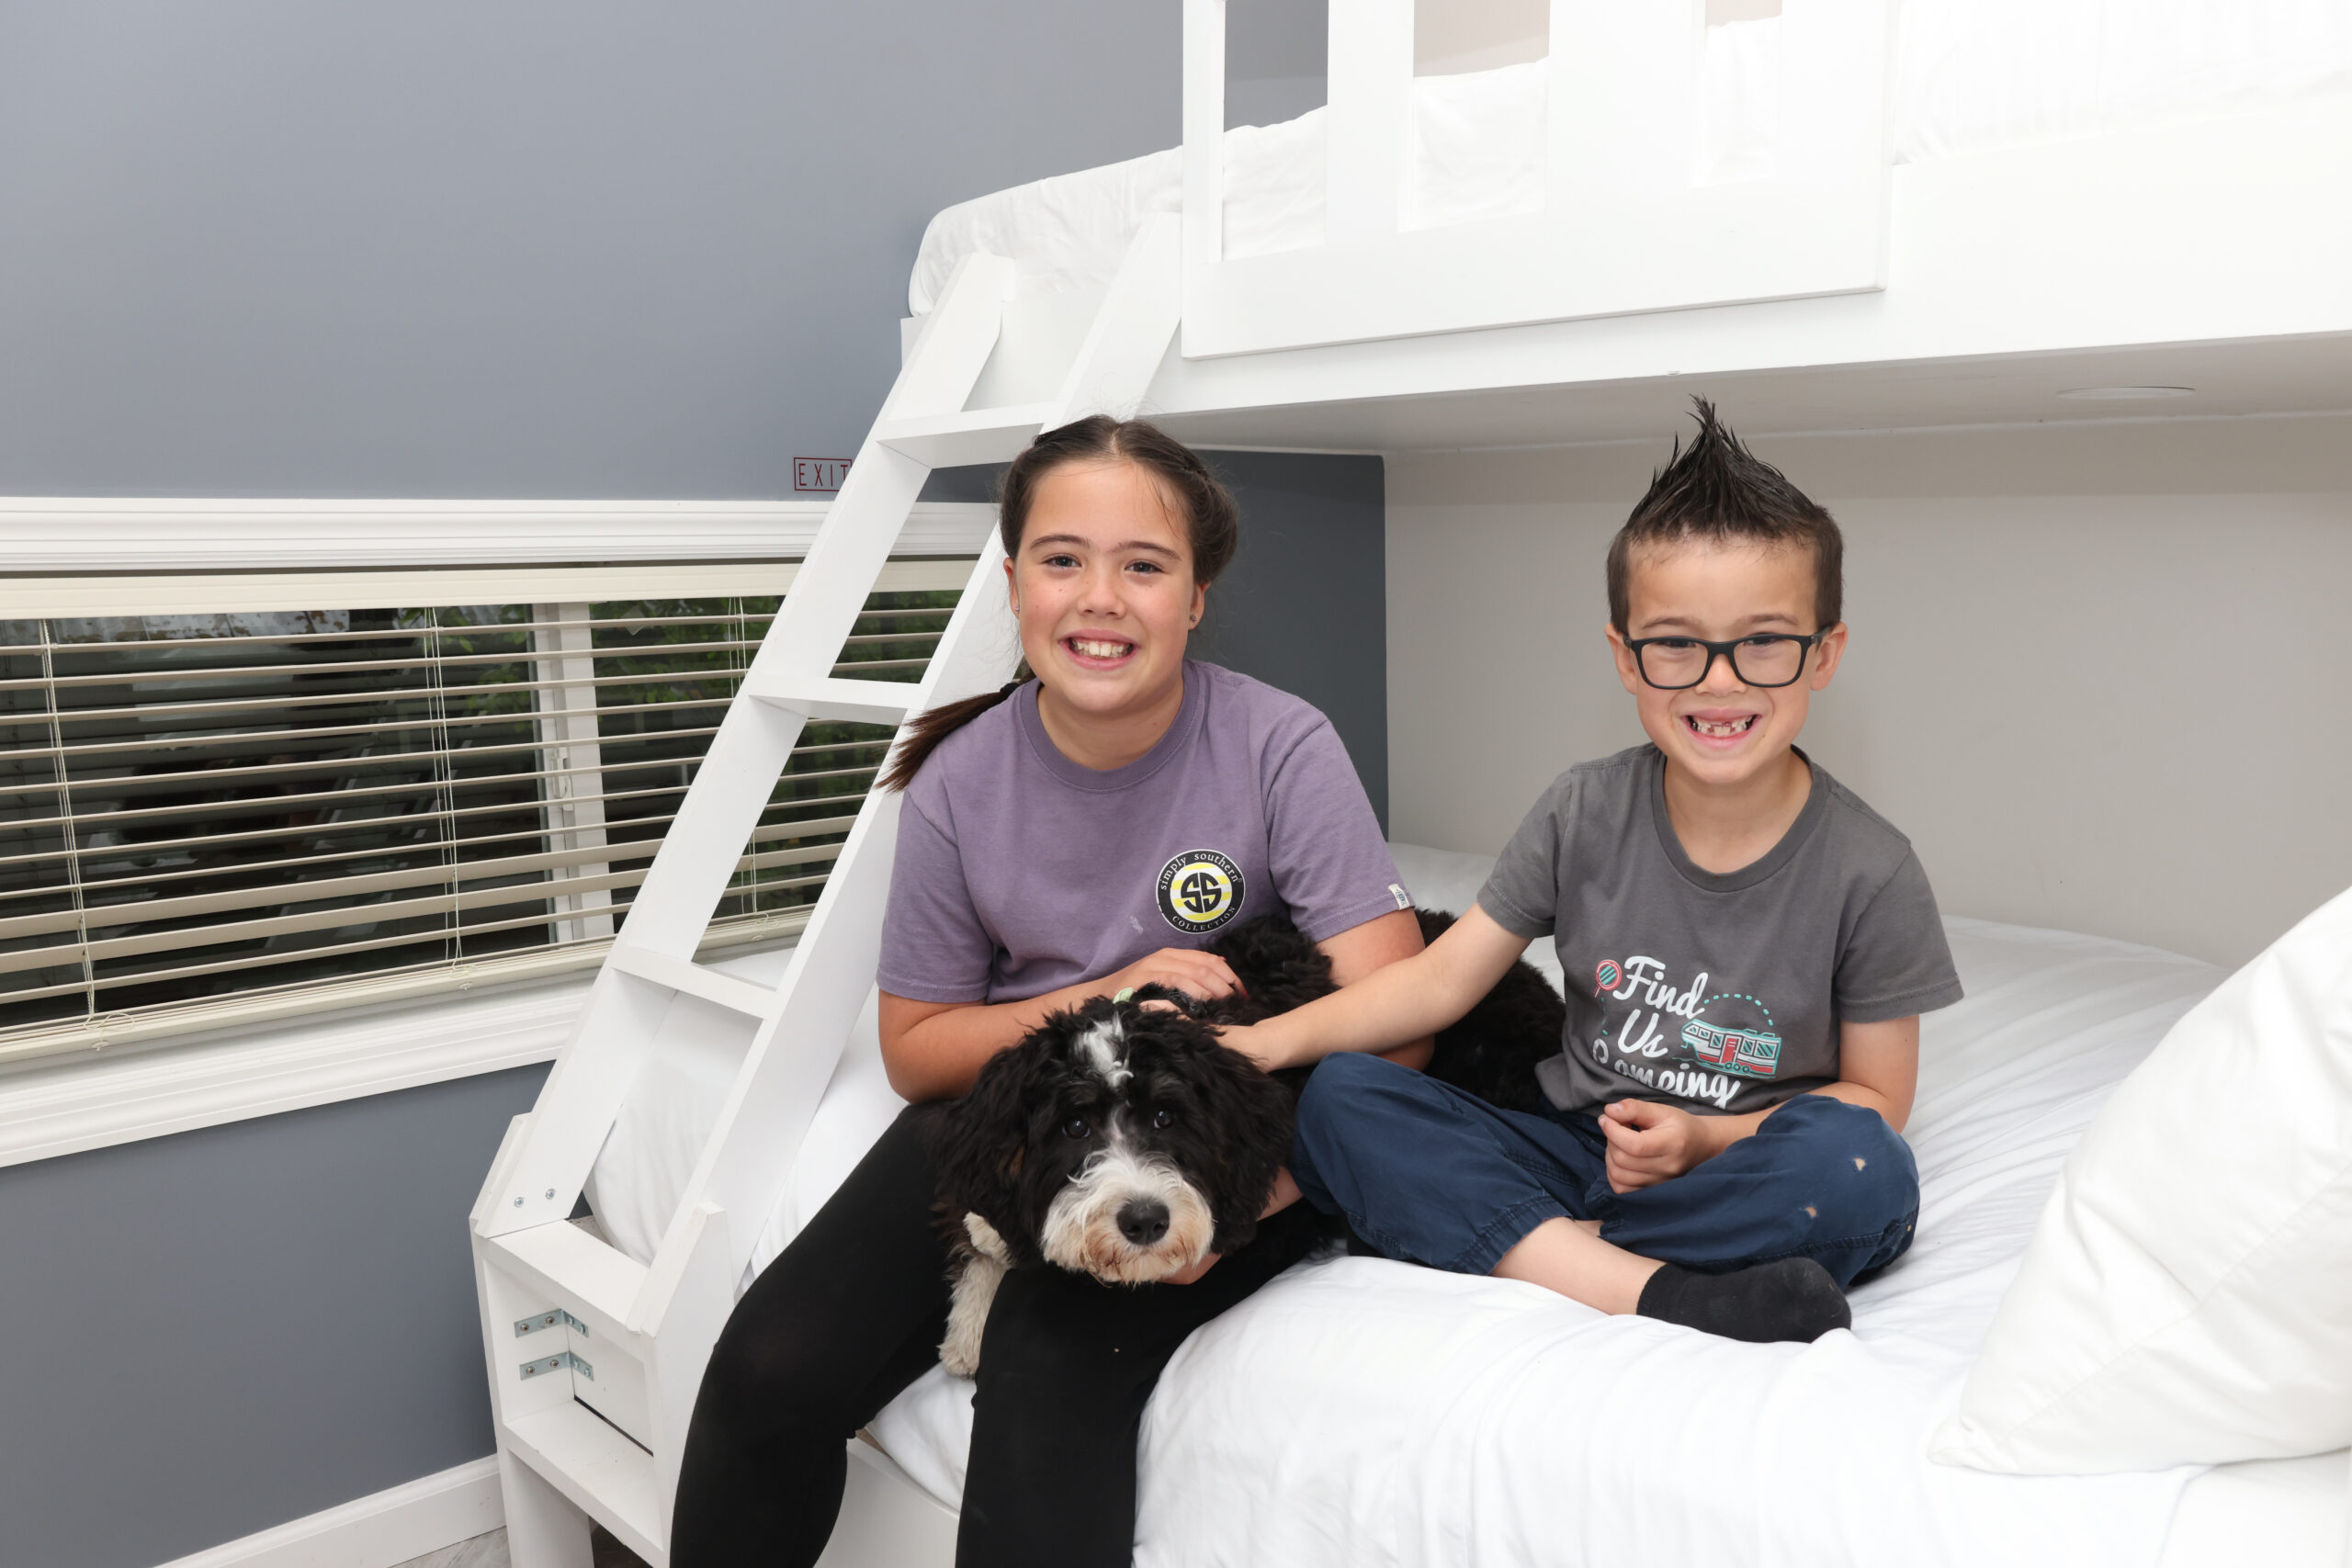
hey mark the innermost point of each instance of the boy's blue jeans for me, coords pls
(1427, 1172)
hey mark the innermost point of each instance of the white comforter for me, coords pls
(1361, 1412)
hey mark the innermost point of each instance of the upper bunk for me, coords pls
(1832, 214)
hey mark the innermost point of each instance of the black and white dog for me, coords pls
(1123, 1141)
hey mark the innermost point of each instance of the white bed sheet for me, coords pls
(1971, 76)
(1361, 1411)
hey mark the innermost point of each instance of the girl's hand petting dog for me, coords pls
(1650, 1143)
(1196, 972)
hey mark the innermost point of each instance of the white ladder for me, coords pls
(593, 1359)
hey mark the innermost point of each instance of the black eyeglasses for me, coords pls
(1678, 664)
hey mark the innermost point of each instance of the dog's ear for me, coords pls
(979, 1143)
(1253, 1114)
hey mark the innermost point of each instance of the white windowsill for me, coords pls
(66, 1105)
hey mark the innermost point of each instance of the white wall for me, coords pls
(2098, 674)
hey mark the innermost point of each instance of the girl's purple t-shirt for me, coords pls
(1020, 871)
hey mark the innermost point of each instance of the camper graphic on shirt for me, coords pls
(1732, 1032)
(1740, 1050)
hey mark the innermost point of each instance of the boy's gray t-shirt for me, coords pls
(1020, 871)
(1721, 994)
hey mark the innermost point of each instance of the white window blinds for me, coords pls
(347, 786)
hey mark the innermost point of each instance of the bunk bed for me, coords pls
(1825, 219)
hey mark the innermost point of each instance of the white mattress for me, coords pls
(1360, 1411)
(1971, 76)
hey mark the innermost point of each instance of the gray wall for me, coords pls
(1304, 605)
(1274, 60)
(514, 248)
(207, 1335)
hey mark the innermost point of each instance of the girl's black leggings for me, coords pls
(853, 1311)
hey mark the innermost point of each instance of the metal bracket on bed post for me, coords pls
(562, 1360)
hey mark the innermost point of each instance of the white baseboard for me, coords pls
(389, 1527)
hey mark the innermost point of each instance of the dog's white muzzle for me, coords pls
(1127, 1218)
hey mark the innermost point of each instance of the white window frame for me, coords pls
(273, 553)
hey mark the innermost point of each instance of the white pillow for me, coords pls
(2187, 1295)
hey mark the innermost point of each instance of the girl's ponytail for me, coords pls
(929, 727)
(1212, 524)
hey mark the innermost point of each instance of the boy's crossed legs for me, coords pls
(1757, 1241)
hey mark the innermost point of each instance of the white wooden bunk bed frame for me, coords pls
(1838, 287)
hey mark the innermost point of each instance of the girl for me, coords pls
(1075, 834)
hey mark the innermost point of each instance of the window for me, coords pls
(362, 786)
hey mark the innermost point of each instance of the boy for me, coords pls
(1747, 949)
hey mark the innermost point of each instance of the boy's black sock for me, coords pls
(1790, 1297)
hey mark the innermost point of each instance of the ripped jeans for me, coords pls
(1427, 1172)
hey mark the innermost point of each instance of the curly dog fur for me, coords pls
(1125, 1142)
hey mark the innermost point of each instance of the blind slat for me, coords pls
(229, 776)
(165, 676)
(89, 884)
(911, 577)
(457, 874)
(377, 944)
(105, 948)
(410, 695)
(161, 846)
(100, 820)
(166, 744)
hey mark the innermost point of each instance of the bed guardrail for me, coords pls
(1636, 217)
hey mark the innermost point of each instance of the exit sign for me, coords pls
(819, 473)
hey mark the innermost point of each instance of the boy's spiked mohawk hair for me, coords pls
(1716, 491)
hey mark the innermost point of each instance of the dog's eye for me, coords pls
(1076, 1127)
(1163, 1119)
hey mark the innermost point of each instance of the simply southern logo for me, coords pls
(1199, 891)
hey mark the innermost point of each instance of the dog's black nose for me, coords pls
(1143, 1221)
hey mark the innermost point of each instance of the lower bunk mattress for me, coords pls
(1361, 1411)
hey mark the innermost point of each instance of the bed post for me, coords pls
(1204, 132)
(1370, 81)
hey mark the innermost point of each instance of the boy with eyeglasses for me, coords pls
(1747, 949)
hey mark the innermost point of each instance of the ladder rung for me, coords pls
(567, 1265)
(851, 702)
(682, 975)
(976, 435)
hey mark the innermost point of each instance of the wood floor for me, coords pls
(490, 1552)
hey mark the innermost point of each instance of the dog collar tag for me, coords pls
(1127, 995)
